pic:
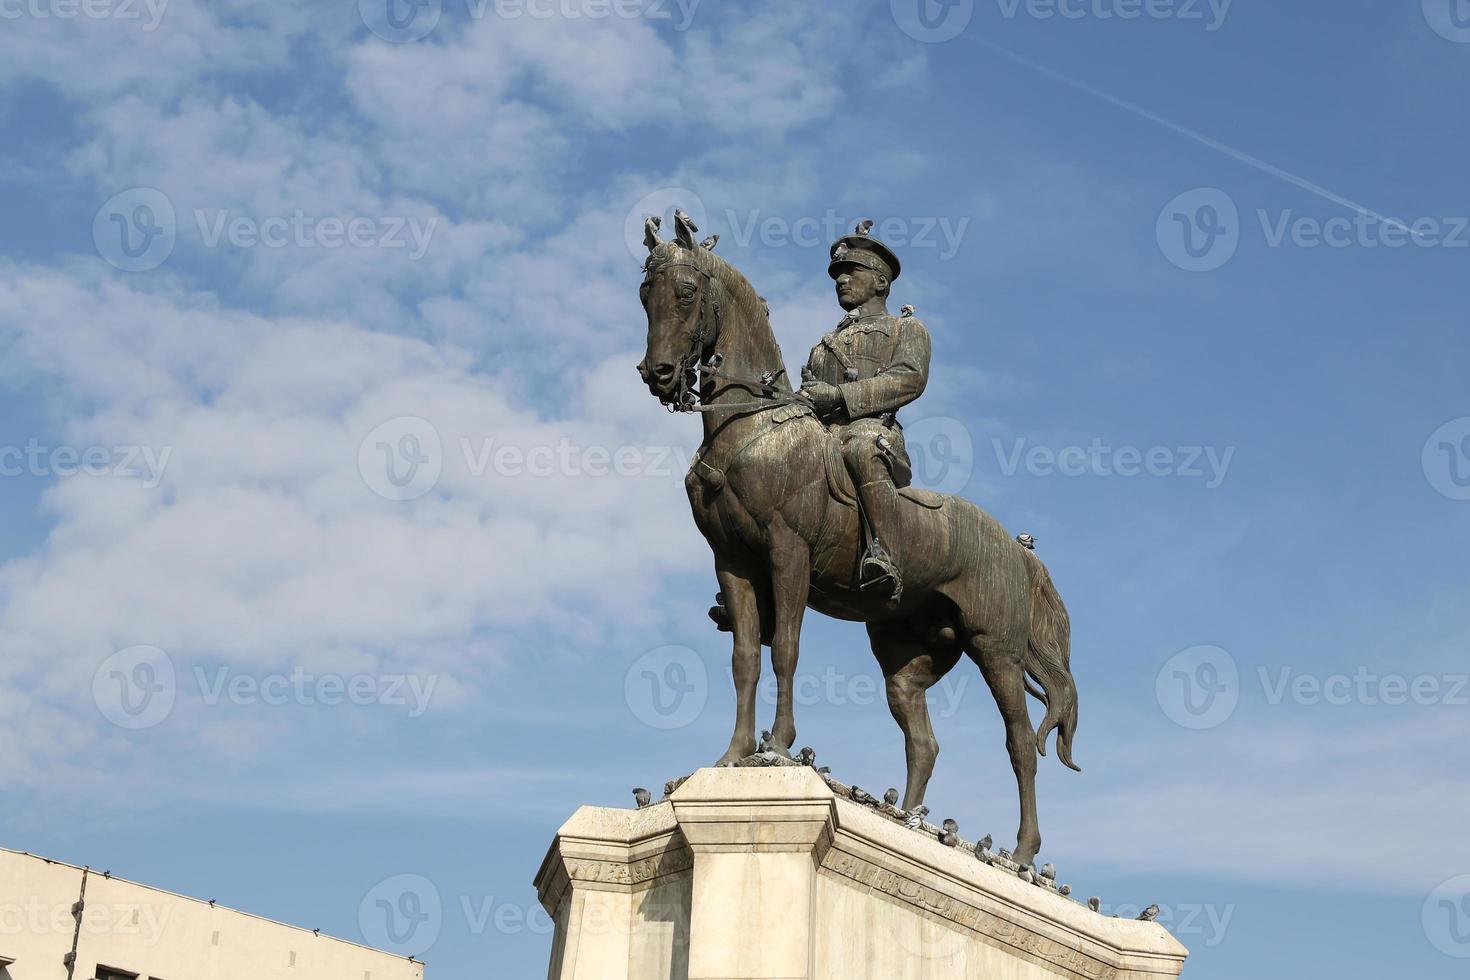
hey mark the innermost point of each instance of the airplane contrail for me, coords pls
(1195, 135)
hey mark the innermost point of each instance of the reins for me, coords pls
(700, 371)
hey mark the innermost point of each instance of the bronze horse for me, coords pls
(772, 497)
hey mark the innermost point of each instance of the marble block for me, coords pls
(768, 874)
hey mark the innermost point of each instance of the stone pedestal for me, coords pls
(767, 874)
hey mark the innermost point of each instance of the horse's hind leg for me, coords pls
(1003, 668)
(910, 668)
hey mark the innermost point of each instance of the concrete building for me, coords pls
(61, 922)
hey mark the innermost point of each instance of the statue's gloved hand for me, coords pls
(825, 398)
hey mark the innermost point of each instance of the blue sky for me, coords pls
(342, 542)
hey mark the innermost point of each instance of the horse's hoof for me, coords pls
(732, 756)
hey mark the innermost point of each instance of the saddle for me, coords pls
(839, 483)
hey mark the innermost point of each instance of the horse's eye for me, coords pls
(685, 290)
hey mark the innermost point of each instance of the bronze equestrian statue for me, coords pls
(803, 499)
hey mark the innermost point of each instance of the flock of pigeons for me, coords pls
(948, 834)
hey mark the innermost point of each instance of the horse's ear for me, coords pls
(650, 232)
(684, 228)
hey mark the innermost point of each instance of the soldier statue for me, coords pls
(856, 379)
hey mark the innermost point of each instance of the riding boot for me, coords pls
(880, 573)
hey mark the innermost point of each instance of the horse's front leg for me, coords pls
(791, 563)
(743, 606)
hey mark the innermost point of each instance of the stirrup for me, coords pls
(879, 573)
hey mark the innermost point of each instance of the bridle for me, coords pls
(697, 370)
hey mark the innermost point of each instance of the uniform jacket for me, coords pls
(880, 364)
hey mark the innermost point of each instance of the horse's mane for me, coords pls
(739, 293)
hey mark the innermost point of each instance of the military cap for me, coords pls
(862, 249)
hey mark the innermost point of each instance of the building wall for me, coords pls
(157, 935)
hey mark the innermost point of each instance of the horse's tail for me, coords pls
(1048, 662)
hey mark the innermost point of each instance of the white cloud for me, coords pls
(264, 547)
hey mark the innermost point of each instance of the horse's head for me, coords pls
(682, 293)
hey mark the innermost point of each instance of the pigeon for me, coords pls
(709, 243)
(906, 310)
(650, 232)
(1064, 890)
(1026, 541)
(1149, 914)
(824, 771)
(864, 226)
(641, 797)
(766, 744)
(862, 796)
(951, 835)
(915, 818)
(316, 932)
(1049, 872)
(807, 756)
(891, 797)
(1094, 903)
